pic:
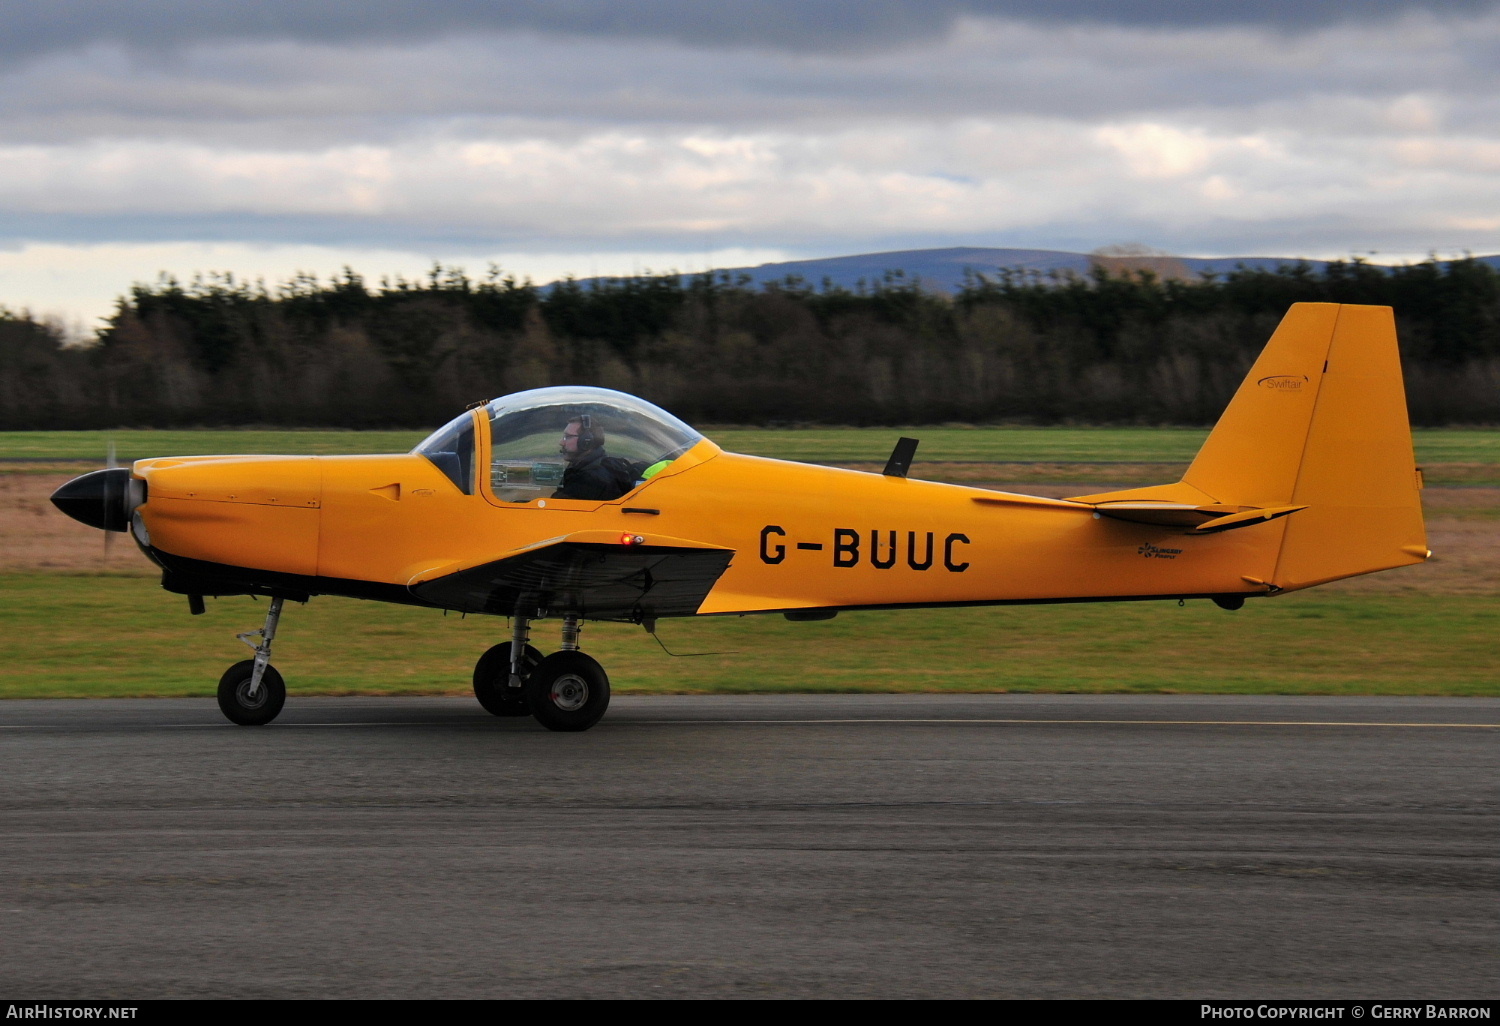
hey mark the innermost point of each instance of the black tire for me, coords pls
(492, 681)
(239, 707)
(568, 691)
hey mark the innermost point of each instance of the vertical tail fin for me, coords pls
(1253, 455)
(1319, 422)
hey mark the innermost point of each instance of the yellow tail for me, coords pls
(1319, 422)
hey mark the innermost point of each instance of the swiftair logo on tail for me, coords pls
(1284, 382)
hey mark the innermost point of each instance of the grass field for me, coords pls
(79, 636)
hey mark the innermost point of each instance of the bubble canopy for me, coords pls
(526, 430)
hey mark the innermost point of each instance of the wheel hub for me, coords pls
(570, 692)
(249, 701)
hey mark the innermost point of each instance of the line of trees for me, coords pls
(1102, 348)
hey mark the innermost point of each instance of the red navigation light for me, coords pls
(631, 539)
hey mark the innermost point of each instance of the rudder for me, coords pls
(1358, 474)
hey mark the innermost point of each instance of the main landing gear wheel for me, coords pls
(492, 681)
(567, 691)
(244, 708)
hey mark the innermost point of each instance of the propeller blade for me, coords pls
(110, 463)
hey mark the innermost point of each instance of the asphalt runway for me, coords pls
(802, 846)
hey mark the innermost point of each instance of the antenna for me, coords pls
(901, 457)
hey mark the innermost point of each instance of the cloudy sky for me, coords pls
(611, 136)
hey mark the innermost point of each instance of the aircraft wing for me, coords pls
(591, 573)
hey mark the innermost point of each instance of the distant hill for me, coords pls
(943, 269)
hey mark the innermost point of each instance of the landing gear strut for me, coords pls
(566, 691)
(492, 676)
(251, 692)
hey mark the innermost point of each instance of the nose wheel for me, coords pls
(247, 707)
(251, 692)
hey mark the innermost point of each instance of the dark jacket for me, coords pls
(595, 475)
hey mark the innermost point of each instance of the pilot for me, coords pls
(592, 473)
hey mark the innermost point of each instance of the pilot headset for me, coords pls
(586, 437)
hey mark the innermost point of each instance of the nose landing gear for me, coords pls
(251, 692)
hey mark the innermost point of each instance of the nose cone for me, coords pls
(100, 499)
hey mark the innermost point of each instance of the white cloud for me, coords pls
(1159, 151)
(769, 190)
(78, 284)
(1477, 156)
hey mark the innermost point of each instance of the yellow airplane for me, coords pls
(581, 504)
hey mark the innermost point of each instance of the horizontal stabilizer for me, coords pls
(1248, 518)
(1164, 514)
(1028, 501)
(1203, 519)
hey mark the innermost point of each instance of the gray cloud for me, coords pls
(558, 129)
(29, 29)
(280, 95)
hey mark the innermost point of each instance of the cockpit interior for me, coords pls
(561, 442)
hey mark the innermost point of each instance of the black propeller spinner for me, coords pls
(101, 499)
